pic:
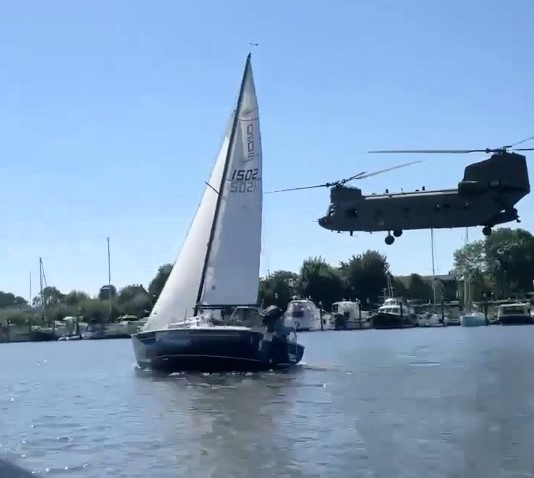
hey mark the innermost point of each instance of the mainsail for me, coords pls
(219, 261)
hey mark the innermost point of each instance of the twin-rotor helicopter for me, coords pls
(486, 196)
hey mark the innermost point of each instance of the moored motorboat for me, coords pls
(303, 315)
(348, 315)
(473, 319)
(68, 338)
(514, 314)
(394, 313)
(432, 319)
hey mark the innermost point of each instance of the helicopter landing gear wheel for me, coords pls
(397, 232)
(486, 230)
(389, 239)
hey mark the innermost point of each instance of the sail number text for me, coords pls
(243, 180)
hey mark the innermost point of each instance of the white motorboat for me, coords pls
(303, 315)
(347, 315)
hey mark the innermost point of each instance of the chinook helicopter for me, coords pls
(485, 197)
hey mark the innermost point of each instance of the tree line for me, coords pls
(52, 304)
(499, 266)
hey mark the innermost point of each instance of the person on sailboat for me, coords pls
(276, 335)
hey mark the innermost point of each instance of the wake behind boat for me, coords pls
(217, 270)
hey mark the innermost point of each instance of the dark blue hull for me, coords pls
(516, 319)
(383, 320)
(213, 349)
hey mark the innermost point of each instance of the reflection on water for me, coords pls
(430, 402)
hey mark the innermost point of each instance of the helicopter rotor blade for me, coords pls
(368, 175)
(530, 138)
(430, 151)
(299, 189)
(325, 185)
(502, 149)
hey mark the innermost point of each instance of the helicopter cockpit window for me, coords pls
(331, 211)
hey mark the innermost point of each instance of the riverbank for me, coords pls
(31, 332)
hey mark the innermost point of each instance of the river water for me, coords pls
(452, 402)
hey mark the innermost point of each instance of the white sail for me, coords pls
(180, 293)
(232, 275)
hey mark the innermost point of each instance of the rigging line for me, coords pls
(436, 256)
(211, 187)
(264, 249)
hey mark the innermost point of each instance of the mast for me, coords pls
(467, 278)
(433, 265)
(41, 287)
(30, 301)
(109, 282)
(221, 186)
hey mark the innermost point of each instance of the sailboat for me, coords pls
(218, 268)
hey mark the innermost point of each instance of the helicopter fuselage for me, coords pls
(485, 197)
(352, 211)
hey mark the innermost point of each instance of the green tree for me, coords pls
(366, 275)
(75, 297)
(278, 288)
(399, 287)
(509, 258)
(470, 260)
(52, 296)
(129, 292)
(504, 261)
(157, 283)
(418, 288)
(134, 300)
(20, 301)
(7, 299)
(320, 282)
(470, 265)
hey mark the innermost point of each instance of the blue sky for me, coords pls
(111, 114)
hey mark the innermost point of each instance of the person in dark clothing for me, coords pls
(277, 348)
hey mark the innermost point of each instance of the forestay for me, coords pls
(232, 274)
(179, 295)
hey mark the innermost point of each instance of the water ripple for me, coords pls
(438, 403)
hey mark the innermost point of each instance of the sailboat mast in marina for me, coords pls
(218, 266)
(42, 281)
(110, 295)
